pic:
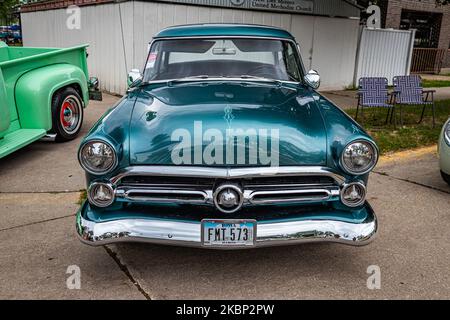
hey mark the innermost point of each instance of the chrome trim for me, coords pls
(226, 173)
(133, 76)
(375, 149)
(230, 186)
(113, 166)
(93, 201)
(76, 118)
(327, 194)
(49, 137)
(347, 185)
(126, 192)
(185, 233)
(248, 195)
(312, 79)
(255, 80)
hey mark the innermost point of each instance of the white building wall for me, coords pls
(119, 34)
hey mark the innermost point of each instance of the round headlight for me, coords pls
(97, 157)
(359, 157)
(447, 132)
(353, 194)
(100, 194)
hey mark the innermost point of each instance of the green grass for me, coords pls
(411, 135)
(435, 83)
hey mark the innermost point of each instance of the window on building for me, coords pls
(427, 24)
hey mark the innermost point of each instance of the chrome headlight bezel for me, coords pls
(446, 132)
(97, 203)
(361, 187)
(367, 169)
(90, 170)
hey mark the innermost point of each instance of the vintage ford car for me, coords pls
(444, 152)
(223, 142)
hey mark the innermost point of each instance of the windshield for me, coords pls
(229, 57)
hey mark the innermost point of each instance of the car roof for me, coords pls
(223, 29)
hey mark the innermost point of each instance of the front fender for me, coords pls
(34, 91)
(341, 129)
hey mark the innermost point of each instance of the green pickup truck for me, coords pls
(43, 92)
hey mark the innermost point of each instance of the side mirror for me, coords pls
(312, 79)
(94, 91)
(133, 76)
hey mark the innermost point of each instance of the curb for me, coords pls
(406, 155)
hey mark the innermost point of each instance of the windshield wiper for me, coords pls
(246, 76)
(199, 77)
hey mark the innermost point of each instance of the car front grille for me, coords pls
(257, 189)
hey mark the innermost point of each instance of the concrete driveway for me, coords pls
(38, 200)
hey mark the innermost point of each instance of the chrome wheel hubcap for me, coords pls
(70, 114)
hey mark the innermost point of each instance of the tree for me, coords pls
(6, 7)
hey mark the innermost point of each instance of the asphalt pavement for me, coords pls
(39, 196)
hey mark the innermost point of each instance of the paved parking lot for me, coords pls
(38, 200)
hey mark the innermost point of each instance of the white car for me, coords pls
(444, 152)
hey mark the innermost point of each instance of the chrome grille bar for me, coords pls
(138, 194)
(251, 197)
(295, 195)
(196, 185)
(227, 173)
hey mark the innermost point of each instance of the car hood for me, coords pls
(226, 124)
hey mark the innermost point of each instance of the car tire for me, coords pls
(446, 177)
(67, 114)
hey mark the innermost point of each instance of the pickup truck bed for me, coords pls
(29, 80)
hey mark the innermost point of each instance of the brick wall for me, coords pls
(446, 62)
(394, 10)
(58, 4)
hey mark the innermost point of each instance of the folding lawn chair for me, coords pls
(408, 90)
(373, 93)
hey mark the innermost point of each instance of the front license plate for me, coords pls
(228, 233)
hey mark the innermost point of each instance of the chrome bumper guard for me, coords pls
(183, 233)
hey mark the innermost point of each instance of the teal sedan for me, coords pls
(444, 152)
(223, 142)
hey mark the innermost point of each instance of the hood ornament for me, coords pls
(228, 115)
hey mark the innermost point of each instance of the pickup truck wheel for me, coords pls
(67, 114)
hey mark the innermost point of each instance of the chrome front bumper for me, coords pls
(184, 233)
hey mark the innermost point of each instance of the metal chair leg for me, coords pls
(423, 112)
(392, 113)
(395, 117)
(401, 115)
(387, 116)
(357, 109)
